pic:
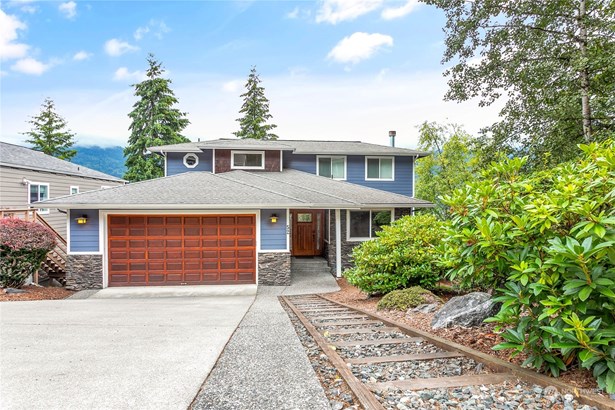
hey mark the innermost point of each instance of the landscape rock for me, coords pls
(424, 308)
(467, 311)
(54, 283)
(13, 290)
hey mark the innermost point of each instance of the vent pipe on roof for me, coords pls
(392, 135)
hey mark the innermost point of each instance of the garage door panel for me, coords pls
(177, 249)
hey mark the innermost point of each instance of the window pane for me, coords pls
(304, 217)
(254, 160)
(337, 168)
(33, 193)
(239, 160)
(386, 168)
(373, 170)
(380, 219)
(42, 192)
(324, 167)
(359, 224)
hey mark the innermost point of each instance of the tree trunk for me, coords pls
(584, 74)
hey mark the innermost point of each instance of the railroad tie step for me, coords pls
(326, 319)
(348, 323)
(379, 342)
(362, 330)
(404, 358)
(443, 382)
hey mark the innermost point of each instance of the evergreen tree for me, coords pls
(154, 122)
(256, 111)
(48, 133)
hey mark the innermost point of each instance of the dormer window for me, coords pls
(248, 160)
(191, 160)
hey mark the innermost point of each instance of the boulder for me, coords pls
(468, 311)
(424, 308)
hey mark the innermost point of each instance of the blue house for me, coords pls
(234, 211)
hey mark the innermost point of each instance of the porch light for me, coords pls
(273, 218)
(82, 220)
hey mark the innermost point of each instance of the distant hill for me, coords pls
(107, 160)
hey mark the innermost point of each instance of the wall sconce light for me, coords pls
(82, 220)
(273, 218)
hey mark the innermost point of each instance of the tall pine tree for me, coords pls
(255, 110)
(154, 122)
(49, 133)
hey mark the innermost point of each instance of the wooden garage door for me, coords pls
(181, 249)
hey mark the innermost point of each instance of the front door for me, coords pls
(307, 232)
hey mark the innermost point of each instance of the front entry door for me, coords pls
(307, 232)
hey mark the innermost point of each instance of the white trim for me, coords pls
(68, 217)
(70, 190)
(233, 166)
(191, 155)
(41, 211)
(338, 244)
(288, 238)
(281, 160)
(213, 161)
(359, 239)
(379, 158)
(165, 163)
(103, 215)
(318, 157)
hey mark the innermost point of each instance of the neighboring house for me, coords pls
(234, 211)
(28, 176)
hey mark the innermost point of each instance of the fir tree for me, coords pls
(255, 110)
(49, 133)
(154, 122)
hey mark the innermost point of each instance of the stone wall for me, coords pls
(84, 272)
(274, 269)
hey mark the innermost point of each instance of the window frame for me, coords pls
(191, 154)
(344, 157)
(40, 211)
(371, 211)
(261, 153)
(379, 158)
(70, 190)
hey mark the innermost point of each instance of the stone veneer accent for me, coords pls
(274, 269)
(84, 272)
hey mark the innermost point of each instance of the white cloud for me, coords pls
(232, 86)
(359, 46)
(391, 13)
(115, 47)
(30, 66)
(157, 28)
(68, 9)
(335, 11)
(81, 55)
(9, 48)
(293, 14)
(123, 74)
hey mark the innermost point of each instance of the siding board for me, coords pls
(273, 236)
(84, 238)
(175, 162)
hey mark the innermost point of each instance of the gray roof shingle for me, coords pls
(296, 146)
(237, 190)
(22, 157)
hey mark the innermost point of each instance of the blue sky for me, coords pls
(332, 69)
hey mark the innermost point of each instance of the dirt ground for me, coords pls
(481, 338)
(35, 293)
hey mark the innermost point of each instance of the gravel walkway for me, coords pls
(264, 366)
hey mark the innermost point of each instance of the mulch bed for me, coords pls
(36, 293)
(481, 338)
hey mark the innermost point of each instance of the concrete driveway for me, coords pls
(112, 353)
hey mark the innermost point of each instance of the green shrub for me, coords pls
(23, 247)
(547, 240)
(405, 299)
(403, 254)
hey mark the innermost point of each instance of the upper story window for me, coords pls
(39, 192)
(191, 160)
(248, 160)
(332, 167)
(363, 225)
(74, 190)
(379, 168)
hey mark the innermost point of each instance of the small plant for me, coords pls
(404, 254)
(23, 247)
(405, 299)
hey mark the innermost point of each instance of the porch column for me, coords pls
(338, 244)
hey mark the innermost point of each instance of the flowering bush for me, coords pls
(23, 246)
(547, 241)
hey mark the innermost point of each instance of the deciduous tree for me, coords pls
(49, 133)
(155, 122)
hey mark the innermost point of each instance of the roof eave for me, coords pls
(73, 174)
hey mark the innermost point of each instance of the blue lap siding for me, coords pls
(175, 162)
(273, 235)
(84, 238)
